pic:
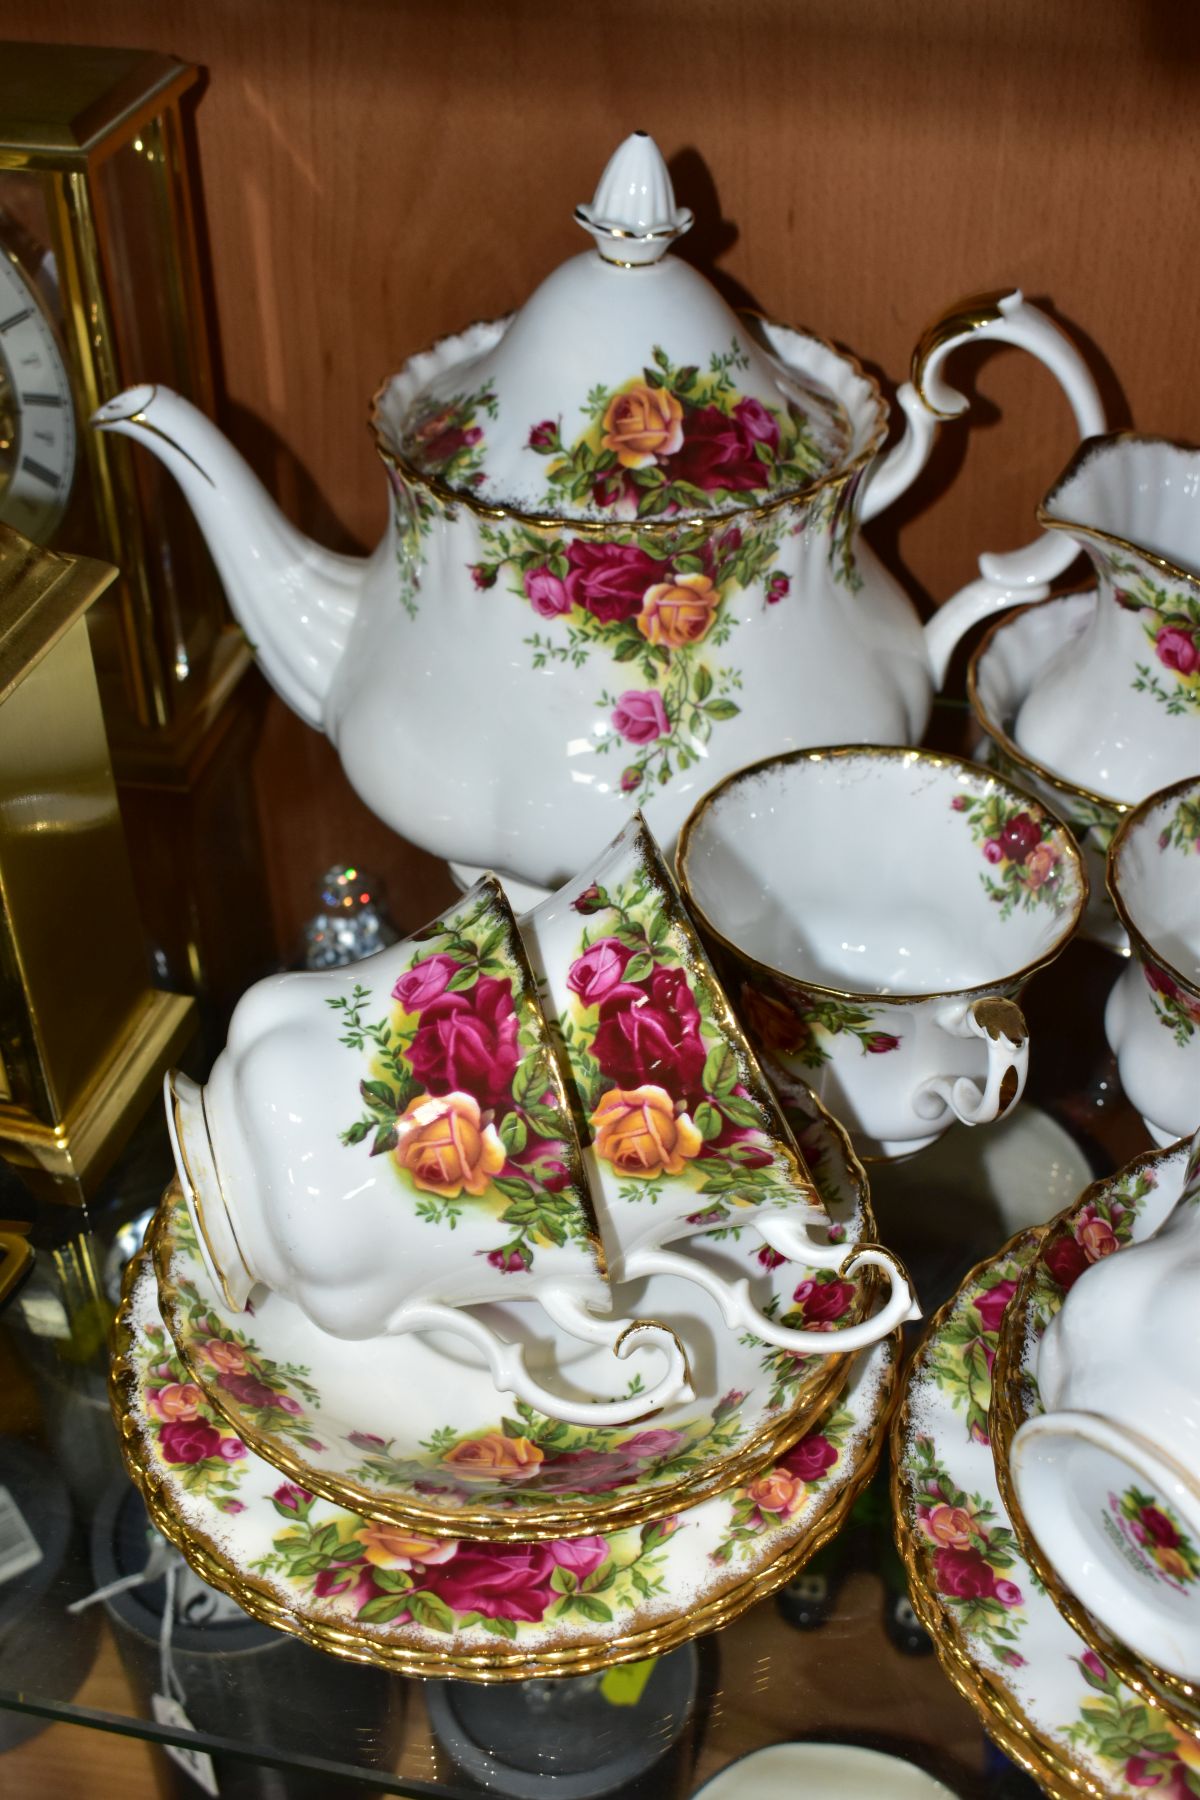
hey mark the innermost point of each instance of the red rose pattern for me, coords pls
(810, 1458)
(467, 1043)
(595, 974)
(649, 1032)
(609, 580)
(991, 1306)
(511, 1581)
(188, 1440)
(1020, 837)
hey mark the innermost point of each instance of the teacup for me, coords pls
(684, 1135)
(1152, 1020)
(391, 1145)
(878, 910)
(1108, 1476)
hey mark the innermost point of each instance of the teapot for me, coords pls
(623, 554)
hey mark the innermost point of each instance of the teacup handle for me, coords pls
(510, 1375)
(928, 399)
(738, 1309)
(1001, 1025)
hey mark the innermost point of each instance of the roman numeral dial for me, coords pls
(37, 415)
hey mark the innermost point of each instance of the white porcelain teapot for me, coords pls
(623, 554)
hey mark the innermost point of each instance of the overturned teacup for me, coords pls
(390, 1146)
(684, 1136)
(876, 912)
(1152, 1020)
(1108, 1475)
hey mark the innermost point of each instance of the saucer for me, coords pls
(1002, 670)
(396, 1430)
(1050, 1702)
(479, 1611)
(1123, 1209)
(833, 1771)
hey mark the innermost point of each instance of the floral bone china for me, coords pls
(1105, 1216)
(1152, 1020)
(375, 1425)
(391, 1146)
(1002, 671)
(879, 910)
(1108, 1476)
(621, 519)
(685, 1136)
(447, 1606)
(1043, 1694)
(1117, 709)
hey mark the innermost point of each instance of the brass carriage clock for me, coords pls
(99, 287)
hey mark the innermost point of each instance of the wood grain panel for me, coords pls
(378, 174)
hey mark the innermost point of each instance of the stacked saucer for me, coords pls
(404, 1444)
(1022, 1527)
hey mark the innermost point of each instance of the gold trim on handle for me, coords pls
(956, 326)
(1001, 1018)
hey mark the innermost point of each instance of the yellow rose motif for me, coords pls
(777, 1491)
(1171, 1563)
(179, 1400)
(642, 425)
(446, 1147)
(1040, 864)
(388, 1547)
(678, 612)
(640, 1133)
(494, 1457)
(950, 1526)
(227, 1359)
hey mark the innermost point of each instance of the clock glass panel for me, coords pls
(38, 426)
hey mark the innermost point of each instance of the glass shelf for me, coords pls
(278, 1718)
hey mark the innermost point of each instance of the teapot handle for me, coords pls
(1017, 575)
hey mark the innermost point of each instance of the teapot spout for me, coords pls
(294, 600)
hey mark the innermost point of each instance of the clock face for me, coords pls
(37, 413)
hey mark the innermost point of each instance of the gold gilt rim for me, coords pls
(955, 326)
(997, 733)
(363, 1646)
(762, 1448)
(1136, 816)
(514, 943)
(1004, 1718)
(450, 498)
(1169, 1694)
(937, 759)
(1098, 446)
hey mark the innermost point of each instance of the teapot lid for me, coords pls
(625, 387)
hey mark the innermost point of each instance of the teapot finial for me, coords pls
(633, 216)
